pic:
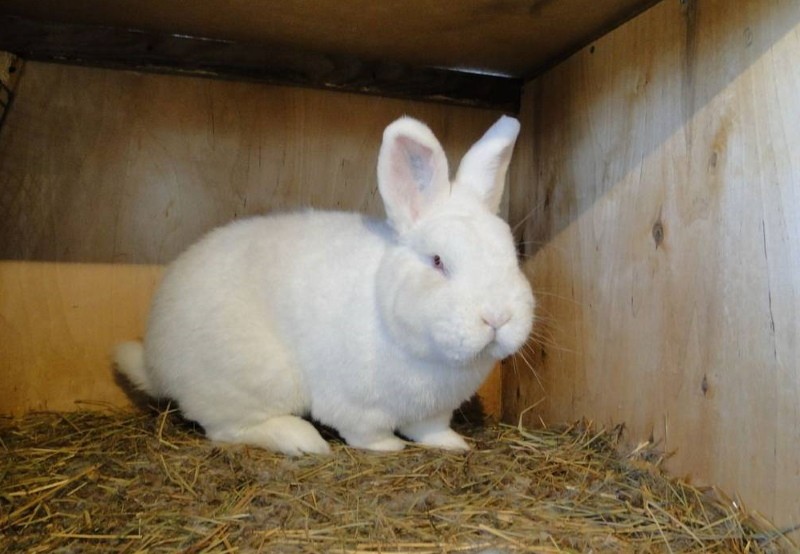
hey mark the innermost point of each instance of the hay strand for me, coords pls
(133, 482)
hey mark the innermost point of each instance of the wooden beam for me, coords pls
(502, 37)
(171, 53)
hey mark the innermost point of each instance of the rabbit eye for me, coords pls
(436, 260)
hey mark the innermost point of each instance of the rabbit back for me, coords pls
(234, 313)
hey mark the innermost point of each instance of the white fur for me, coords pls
(130, 357)
(344, 318)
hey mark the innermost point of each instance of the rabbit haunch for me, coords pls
(370, 327)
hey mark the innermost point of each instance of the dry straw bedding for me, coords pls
(119, 481)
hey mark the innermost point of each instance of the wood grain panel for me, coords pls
(58, 323)
(513, 37)
(666, 164)
(101, 165)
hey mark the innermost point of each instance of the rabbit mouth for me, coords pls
(493, 345)
(489, 348)
(497, 350)
(504, 344)
(461, 344)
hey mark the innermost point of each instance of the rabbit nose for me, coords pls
(496, 319)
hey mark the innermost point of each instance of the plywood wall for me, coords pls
(107, 175)
(665, 242)
(58, 322)
(101, 166)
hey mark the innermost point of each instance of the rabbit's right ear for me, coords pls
(483, 168)
(412, 172)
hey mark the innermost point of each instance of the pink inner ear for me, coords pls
(417, 163)
(412, 175)
(412, 172)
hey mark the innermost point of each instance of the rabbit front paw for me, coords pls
(435, 432)
(382, 442)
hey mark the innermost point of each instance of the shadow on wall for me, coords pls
(628, 72)
(665, 242)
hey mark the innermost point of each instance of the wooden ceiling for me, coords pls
(510, 38)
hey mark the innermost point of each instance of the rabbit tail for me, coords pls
(129, 360)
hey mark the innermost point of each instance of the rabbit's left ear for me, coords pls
(412, 172)
(483, 168)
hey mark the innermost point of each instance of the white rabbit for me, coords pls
(370, 327)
